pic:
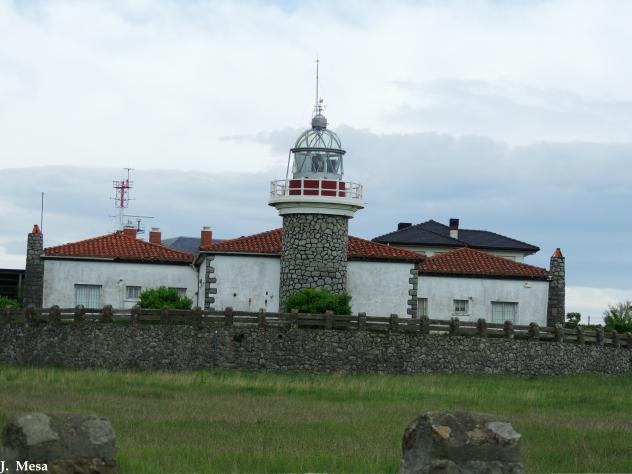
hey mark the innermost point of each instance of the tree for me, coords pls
(572, 320)
(317, 301)
(163, 297)
(618, 317)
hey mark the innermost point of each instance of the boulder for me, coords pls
(460, 442)
(58, 443)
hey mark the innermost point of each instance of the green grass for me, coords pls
(230, 421)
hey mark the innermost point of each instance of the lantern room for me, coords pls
(317, 153)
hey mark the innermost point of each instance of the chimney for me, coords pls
(555, 312)
(129, 231)
(34, 276)
(403, 225)
(154, 236)
(206, 237)
(454, 228)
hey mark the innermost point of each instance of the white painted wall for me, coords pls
(531, 296)
(60, 276)
(379, 288)
(430, 251)
(246, 283)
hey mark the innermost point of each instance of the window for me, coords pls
(422, 307)
(504, 311)
(460, 306)
(132, 292)
(181, 291)
(88, 295)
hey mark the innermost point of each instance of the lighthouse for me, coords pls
(316, 203)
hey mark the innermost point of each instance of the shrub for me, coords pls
(163, 297)
(6, 302)
(317, 301)
(572, 320)
(618, 317)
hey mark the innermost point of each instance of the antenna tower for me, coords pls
(121, 199)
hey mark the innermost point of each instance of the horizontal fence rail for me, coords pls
(360, 322)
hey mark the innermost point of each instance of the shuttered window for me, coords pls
(461, 306)
(132, 292)
(504, 311)
(422, 307)
(89, 296)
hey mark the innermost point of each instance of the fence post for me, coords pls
(579, 332)
(106, 314)
(481, 327)
(294, 319)
(558, 332)
(261, 318)
(135, 314)
(30, 314)
(329, 319)
(599, 335)
(424, 325)
(393, 324)
(534, 331)
(616, 340)
(228, 317)
(628, 339)
(362, 321)
(453, 328)
(54, 315)
(196, 317)
(80, 314)
(509, 329)
(164, 316)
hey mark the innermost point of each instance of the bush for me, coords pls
(572, 320)
(6, 302)
(163, 297)
(310, 300)
(618, 317)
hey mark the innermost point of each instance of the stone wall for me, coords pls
(314, 253)
(181, 347)
(557, 290)
(34, 275)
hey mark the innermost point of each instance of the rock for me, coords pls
(460, 442)
(59, 443)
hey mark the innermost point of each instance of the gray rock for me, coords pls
(460, 442)
(64, 443)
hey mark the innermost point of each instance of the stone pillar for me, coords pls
(34, 275)
(557, 289)
(314, 253)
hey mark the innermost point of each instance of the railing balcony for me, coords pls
(321, 188)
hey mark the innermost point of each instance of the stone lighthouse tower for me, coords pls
(316, 204)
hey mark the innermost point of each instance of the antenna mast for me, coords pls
(121, 200)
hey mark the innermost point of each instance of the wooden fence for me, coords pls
(228, 318)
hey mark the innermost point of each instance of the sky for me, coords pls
(514, 116)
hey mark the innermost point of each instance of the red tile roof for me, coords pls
(120, 247)
(470, 262)
(270, 243)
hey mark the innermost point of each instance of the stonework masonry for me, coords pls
(557, 289)
(34, 275)
(210, 283)
(412, 292)
(183, 347)
(314, 253)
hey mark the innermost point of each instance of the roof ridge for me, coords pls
(500, 235)
(91, 239)
(485, 254)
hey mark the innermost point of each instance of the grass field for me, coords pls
(230, 421)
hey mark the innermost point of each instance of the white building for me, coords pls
(470, 284)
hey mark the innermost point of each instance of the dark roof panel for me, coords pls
(434, 233)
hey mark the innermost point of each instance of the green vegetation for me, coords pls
(572, 320)
(163, 297)
(233, 421)
(309, 300)
(618, 317)
(6, 302)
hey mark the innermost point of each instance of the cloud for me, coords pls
(157, 84)
(594, 301)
